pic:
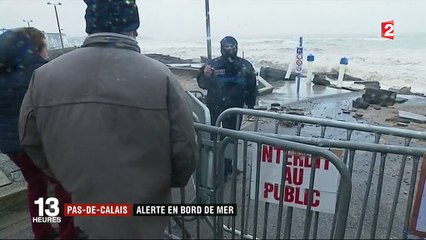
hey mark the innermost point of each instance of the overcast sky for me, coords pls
(181, 19)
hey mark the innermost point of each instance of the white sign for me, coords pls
(417, 224)
(297, 177)
(421, 220)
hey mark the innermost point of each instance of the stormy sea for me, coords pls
(394, 63)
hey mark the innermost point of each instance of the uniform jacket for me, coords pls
(233, 83)
(112, 125)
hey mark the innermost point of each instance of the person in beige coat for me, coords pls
(111, 124)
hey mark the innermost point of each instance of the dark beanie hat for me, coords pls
(115, 16)
(16, 51)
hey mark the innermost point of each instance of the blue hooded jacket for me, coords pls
(18, 61)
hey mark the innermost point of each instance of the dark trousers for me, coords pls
(37, 188)
(229, 122)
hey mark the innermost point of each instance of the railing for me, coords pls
(391, 224)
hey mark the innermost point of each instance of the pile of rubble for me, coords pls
(379, 98)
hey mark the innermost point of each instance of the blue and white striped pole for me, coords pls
(310, 59)
(342, 69)
(299, 64)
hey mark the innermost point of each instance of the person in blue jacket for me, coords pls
(230, 81)
(22, 51)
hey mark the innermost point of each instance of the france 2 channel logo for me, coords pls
(388, 29)
(48, 210)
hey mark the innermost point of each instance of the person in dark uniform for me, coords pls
(230, 81)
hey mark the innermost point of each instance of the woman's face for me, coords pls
(43, 51)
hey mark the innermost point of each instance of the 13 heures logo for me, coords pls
(48, 210)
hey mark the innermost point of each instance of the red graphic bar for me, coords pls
(105, 210)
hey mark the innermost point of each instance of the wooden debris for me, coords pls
(296, 111)
(402, 124)
(286, 123)
(250, 118)
(346, 111)
(358, 115)
(412, 116)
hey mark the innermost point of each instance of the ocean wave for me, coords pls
(394, 64)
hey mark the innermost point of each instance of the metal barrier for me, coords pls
(360, 204)
(202, 115)
(198, 108)
(214, 227)
(198, 94)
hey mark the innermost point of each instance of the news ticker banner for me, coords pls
(296, 177)
(48, 210)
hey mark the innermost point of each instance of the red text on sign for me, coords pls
(272, 154)
(291, 194)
